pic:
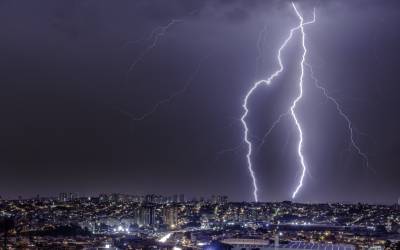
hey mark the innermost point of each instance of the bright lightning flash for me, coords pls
(293, 107)
(268, 81)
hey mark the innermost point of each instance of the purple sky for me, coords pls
(67, 100)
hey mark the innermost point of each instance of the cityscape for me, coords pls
(120, 221)
(199, 125)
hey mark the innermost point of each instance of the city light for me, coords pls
(165, 238)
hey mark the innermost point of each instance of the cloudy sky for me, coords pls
(69, 98)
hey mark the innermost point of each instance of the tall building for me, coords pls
(103, 198)
(181, 198)
(72, 196)
(170, 216)
(217, 199)
(398, 204)
(63, 197)
(67, 196)
(146, 216)
(149, 198)
(153, 198)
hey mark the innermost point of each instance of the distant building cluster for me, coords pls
(119, 221)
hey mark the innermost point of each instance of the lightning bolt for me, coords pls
(156, 34)
(342, 114)
(170, 97)
(227, 150)
(268, 81)
(148, 37)
(298, 98)
(270, 129)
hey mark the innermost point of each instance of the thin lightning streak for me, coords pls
(267, 82)
(156, 34)
(227, 150)
(342, 114)
(145, 38)
(269, 131)
(231, 149)
(172, 96)
(298, 98)
(153, 34)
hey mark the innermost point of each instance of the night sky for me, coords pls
(67, 100)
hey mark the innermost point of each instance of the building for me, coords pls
(63, 197)
(103, 197)
(72, 196)
(181, 198)
(146, 216)
(170, 216)
(219, 199)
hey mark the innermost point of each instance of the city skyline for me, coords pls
(142, 97)
(120, 222)
(169, 198)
